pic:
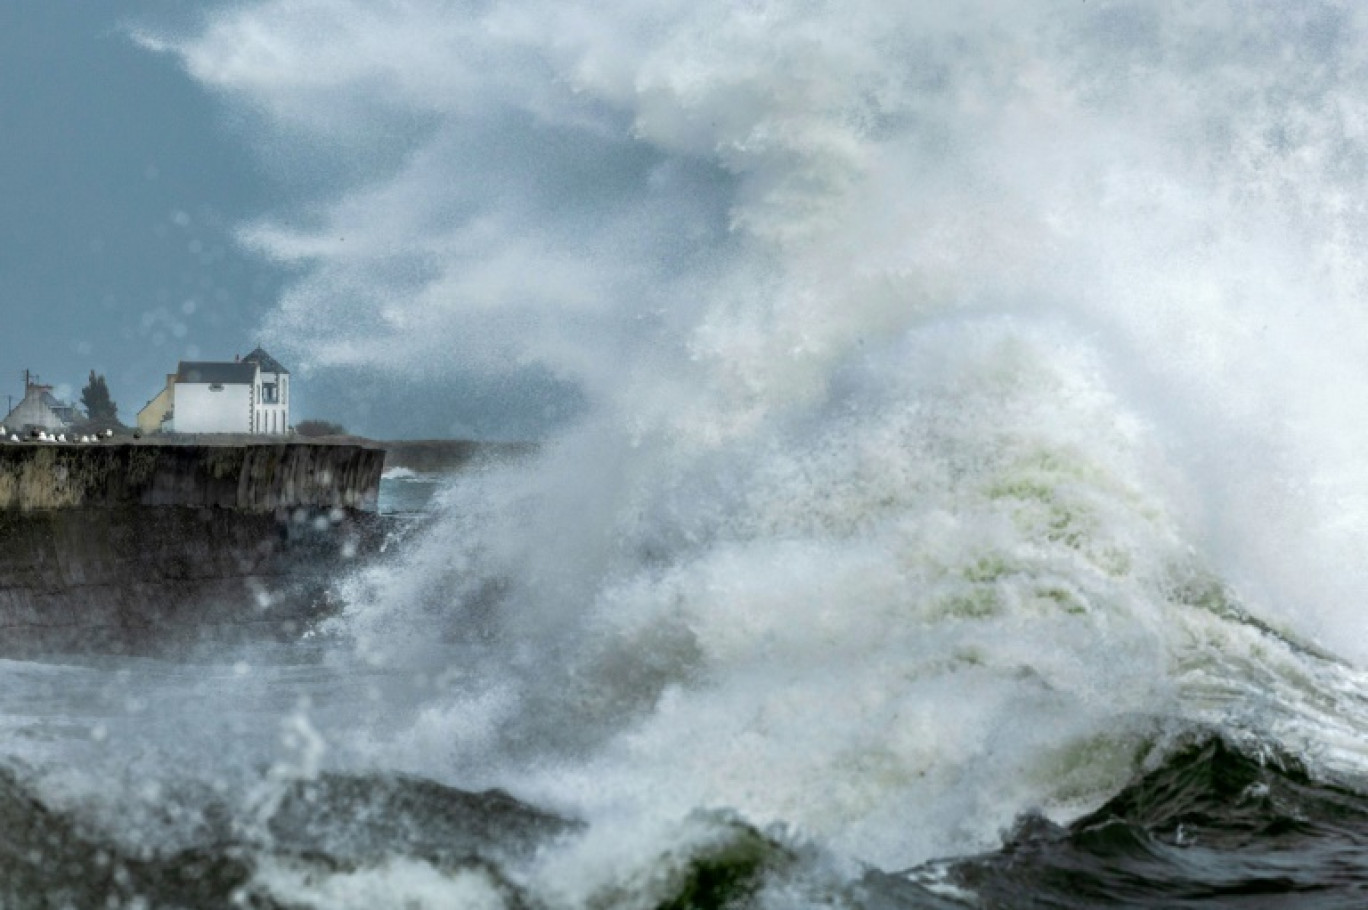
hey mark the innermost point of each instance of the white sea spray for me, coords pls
(961, 377)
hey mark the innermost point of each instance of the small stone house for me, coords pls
(40, 408)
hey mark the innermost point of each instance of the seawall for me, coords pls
(149, 548)
(255, 477)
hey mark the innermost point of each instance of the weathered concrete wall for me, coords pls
(160, 579)
(257, 477)
(147, 547)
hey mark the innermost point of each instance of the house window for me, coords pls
(216, 387)
(269, 395)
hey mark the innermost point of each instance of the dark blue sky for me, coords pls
(123, 182)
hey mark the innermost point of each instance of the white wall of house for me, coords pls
(272, 403)
(203, 407)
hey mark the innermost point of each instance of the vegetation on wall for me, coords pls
(320, 428)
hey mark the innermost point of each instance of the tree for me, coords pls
(96, 401)
(319, 428)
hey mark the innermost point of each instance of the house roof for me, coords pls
(267, 363)
(40, 407)
(224, 372)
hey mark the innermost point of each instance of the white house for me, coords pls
(250, 395)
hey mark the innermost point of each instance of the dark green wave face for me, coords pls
(340, 828)
(1216, 824)
(330, 826)
(47, 859)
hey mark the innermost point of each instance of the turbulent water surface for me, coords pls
(968, 505)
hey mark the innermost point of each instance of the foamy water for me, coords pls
(975, 395)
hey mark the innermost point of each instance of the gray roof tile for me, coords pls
(268, 363)
(227, 372)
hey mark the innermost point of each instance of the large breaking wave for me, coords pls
(974, 393)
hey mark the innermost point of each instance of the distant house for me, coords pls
(40, 408)
(248, 395)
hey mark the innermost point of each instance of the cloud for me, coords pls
(756, 186)
(570, 173)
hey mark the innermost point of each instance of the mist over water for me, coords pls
(975, 394)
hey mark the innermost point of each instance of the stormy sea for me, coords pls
(964, 504)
